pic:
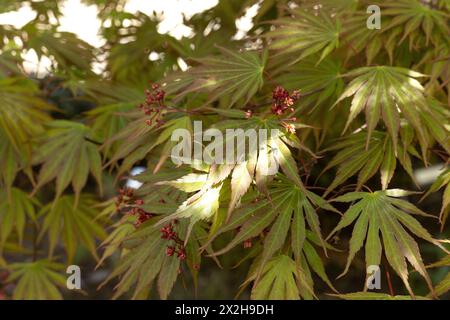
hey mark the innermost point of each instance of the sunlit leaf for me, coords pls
(391, 94)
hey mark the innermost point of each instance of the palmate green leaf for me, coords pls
(304, 33)
(443, 181)
(278, 232)
(74, 224)
(39, 280)
(361, 38)
(310, 76)
(115, 104)
(356, 155)
(15, 210)
(308, 261)
(112, 244)
(235, 74)
(68, 154)
(390, 94)
(415, 18)
(135, 139)
(107, 121)
(64, 47)
(381, 211)
(278, 281)
(22, 115)
(286, 199)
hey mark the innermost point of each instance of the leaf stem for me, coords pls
(388, 278)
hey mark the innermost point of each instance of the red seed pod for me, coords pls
(181, 254)
(170, 251)
(282, 101)
(280, 93)
(143, 217)
(160, 95)
(167, 232)
(139, 202)
(247, 244)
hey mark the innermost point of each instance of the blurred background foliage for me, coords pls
(60, 128)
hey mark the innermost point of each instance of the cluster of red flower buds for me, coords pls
(154, 105)
(124, 197)
(124, 201)
(247, 243)
(168, 233)
(282, 100)
(289, 126)
(141, 214)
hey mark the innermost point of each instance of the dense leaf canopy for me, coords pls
(357, 113)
